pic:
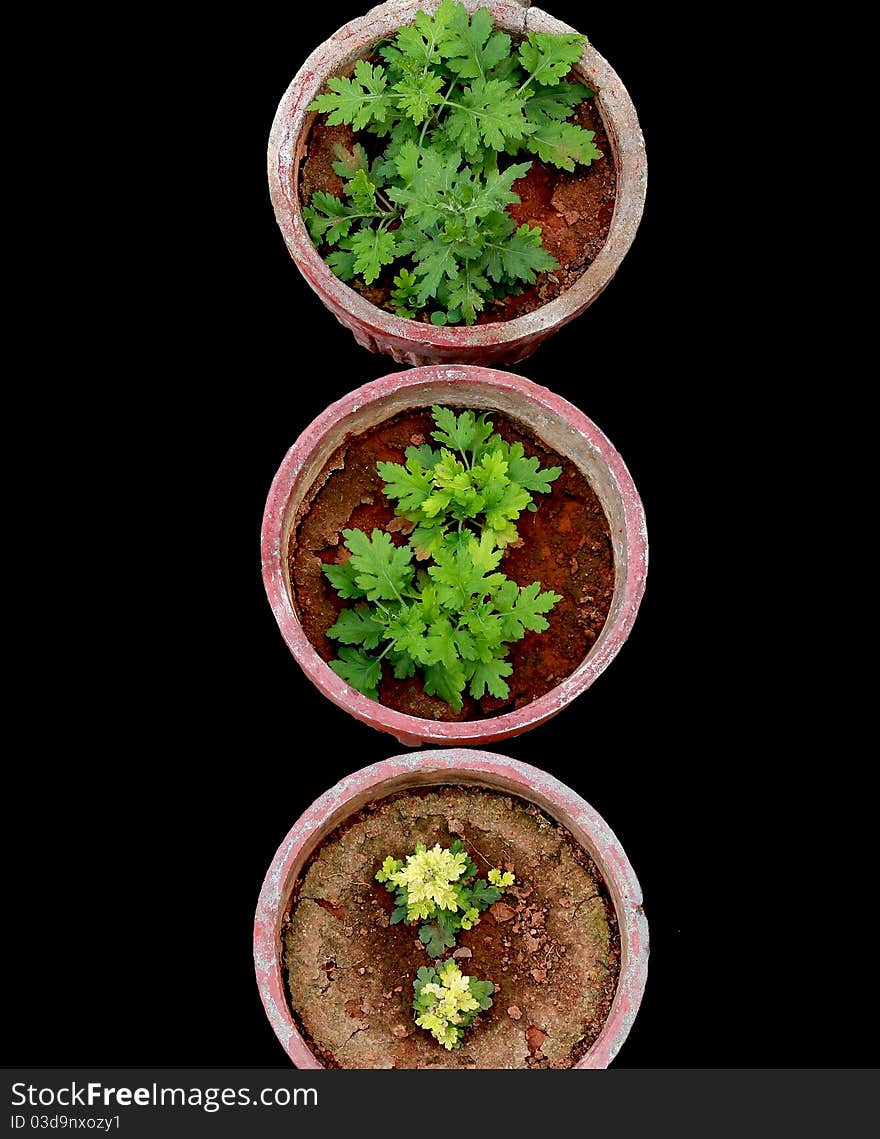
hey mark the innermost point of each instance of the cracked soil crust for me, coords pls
(550, 945)
(565, 545)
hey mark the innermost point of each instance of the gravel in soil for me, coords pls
(550, 945)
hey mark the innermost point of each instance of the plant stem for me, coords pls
(435, 115)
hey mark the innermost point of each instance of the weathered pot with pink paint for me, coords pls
(410, 341)
(433, 768)
(552, 419)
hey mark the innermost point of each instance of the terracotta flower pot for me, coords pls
(409, 341)
(481, 769)
(554, 420)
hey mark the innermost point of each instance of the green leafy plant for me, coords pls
(446, 1001)
(439, 889)
(454, 620)
(450, 98)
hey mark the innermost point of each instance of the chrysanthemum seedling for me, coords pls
(447, 98)
(446, 1001)
(439, 889)
(454, 621)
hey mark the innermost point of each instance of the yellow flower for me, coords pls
(429, 875)
(416, 911)
(450, 1006)
(502, 881)
(449, 1037)
(389, 868)
(469, 918)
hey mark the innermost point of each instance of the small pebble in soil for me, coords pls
(373, 1019)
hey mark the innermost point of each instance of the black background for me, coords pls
(170, 738)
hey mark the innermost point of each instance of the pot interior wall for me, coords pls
(449, 777)
(550, 428)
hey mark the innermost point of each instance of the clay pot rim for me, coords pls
(625, 137)
(522, 779)
(412, 729)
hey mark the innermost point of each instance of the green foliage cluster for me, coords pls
(439, 888)
(446, 1001)
(454, 620)
(450, 96)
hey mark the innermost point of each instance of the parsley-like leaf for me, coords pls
(555, 104)
(483, 895)
(417, 94)
(427, 539)
(422, 41)
(361, 671)
(548, 57)
(402, 665)
(523, 609)
(407, 630)
(381, 569)
(490, 675)
(341, 261)
(458, 578)
(439, 681)
(481, 991)
(372, 249)
(328, 217)
(474, 49)
(362, 192)
(409, 485)
(528, 472)
(359, 101)
(342, 578)
(520, 257)
(436, 939)
(357, 627)
(564, 144)
(489, 112)
(349, 162)
(405, 292)
(455, 431)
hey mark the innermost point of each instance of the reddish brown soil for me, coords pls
(317, 170)
(574, 212)
(550, 945)
(565, 545)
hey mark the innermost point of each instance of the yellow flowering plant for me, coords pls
(446, 1001)
(439, 889)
